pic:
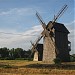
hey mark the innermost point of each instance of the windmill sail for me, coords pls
(59, 14)
(41, 20)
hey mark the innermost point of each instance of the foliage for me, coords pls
(11, 54)
(57, 61)
(72, 58)
(4, 52)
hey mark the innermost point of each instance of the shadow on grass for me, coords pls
(42, 66)
(8, 66)
(51, 66)
(5, 66)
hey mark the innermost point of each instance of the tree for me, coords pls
(4, 52)
(18, 53)
(57, 61)
(72, 58)
(12, 53)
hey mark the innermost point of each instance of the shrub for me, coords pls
(1, 58)
(6, 58)
(72, 58)
(57, 61)
(19, 59)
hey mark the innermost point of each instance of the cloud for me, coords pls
(15, 41)
(20, 40)
(71, 28)
(16, 19)
(18, 11)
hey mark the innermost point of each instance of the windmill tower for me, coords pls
(50, 49)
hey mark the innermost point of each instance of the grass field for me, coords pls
(22, 67)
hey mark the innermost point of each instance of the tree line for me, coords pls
(12, 54)
(19, 54)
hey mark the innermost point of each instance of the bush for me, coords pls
(29, 59)
(1, 58)
(6, 58)
(19, 58)
(10, 58)
(57, 61)
(72, 58)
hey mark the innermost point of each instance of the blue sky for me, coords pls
(18, 16)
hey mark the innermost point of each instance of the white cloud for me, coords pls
(18, 40)
(9, 20)
(24, 41)
(71, 28)
(18, 11)
(16, 19)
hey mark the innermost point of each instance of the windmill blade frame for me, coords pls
(34, 45)
(59, 14)
(41, 20)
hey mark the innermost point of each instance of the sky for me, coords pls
(18, 17)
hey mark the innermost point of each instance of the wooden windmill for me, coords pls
(34, 49)
(49, 47)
